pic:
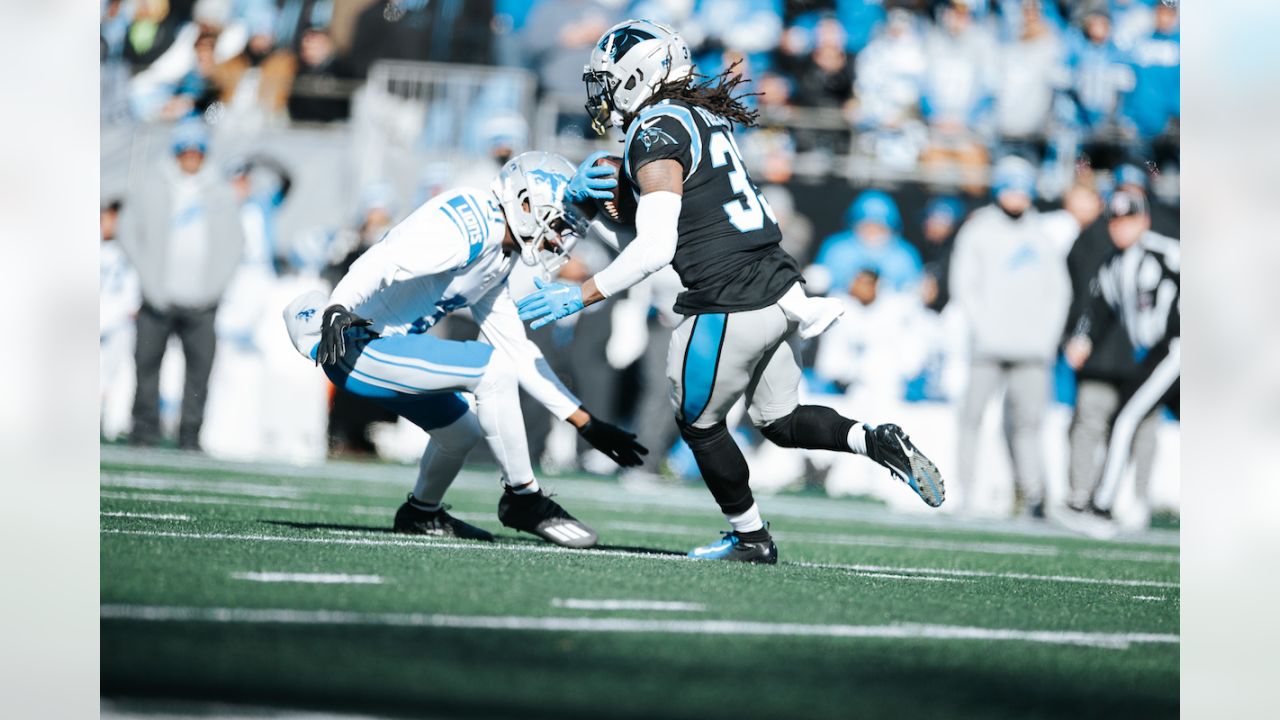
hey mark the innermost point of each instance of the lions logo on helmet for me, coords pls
(631, 61)
(530, 189)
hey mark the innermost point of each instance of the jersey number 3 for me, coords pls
(746, 213)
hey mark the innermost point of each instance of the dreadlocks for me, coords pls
(714, 93)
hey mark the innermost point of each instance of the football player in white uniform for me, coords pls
(370, 337)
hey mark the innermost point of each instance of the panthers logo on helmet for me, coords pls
(306, 314)
(623, 40)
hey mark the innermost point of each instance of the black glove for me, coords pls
(334, 324)
(618, 444)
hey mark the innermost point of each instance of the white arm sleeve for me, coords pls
(417, 247)
(657, 228)
(500, 326)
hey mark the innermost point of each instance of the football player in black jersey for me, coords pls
(745, 310)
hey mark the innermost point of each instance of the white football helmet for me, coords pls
(530, 188)
(632, 59)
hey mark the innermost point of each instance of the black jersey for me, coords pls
(1140, 287)
(727, 255)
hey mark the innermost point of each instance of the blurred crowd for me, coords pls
(958, 289)
(947, 84)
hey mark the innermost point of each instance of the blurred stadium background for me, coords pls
(331, 120)
(321, 123)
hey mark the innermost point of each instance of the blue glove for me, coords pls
(551, 302)
(592, 181)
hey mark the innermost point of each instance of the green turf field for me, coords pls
(281, 586)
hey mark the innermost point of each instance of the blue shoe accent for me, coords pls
(717, 550)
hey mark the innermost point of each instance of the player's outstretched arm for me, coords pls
(661, 184)
(501, 328)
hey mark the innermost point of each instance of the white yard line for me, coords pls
(914, 543)
(596, 604)
(490, 547)
(1131, 555)
(948, 572)
(686, 500)
(1149, 598)
(145, 516)
(926, 578)
(232, 502)
(230, 487)
(860, 540)
(313, 578)
(1114, 641)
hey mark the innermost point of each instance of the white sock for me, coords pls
(443, 458)
(747, 521)
(857, 439)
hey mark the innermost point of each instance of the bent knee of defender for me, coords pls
(458, 437)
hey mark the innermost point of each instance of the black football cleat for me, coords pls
(889, 446)
(416, 521)
(537, 514)
(733, 548)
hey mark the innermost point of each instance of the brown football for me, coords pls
(621, 208)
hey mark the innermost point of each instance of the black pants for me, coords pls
(194, 327)
(1156, 383)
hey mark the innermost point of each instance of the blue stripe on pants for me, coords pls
(397, 379)
(701, 357)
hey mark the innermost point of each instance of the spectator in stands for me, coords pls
(824, 77)
(872, 241)
(198, 89)
(557, 38)
(1009, 279)
(872, 352)
(318, 64)
(859, 19)
(1109, 369)
(295, 17)
(114, 27)
(181, 230)
(152, 30)
(151, 90)
(750, 27)
(261, 185)
(1098, 72)
(888, 76)
(257, 80)
(118, 302)
(1031, 70)
(500, 136)
(350, 416)
(1155, 102)
(942, 216)
(1131, 21)
(440, 31)
(957, 94)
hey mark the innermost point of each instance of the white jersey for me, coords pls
(120, 294)
(446, 255)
